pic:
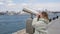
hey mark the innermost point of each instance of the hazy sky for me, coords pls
(17, 5)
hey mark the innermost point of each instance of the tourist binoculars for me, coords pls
(34, 12)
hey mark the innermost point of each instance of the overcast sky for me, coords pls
(17, 5)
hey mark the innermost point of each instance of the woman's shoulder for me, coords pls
(44, 20)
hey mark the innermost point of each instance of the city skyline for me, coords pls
(17, 5)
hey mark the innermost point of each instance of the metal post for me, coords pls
(29, 28)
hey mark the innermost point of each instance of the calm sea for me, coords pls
(10, 24)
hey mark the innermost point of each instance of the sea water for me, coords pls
(10, 24)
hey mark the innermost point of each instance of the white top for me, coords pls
(39, 25)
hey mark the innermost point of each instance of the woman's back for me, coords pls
(41, 24)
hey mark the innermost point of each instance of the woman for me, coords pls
(40, 23)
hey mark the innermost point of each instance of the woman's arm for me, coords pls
(34, 22)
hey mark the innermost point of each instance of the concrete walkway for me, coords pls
(54, 27)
